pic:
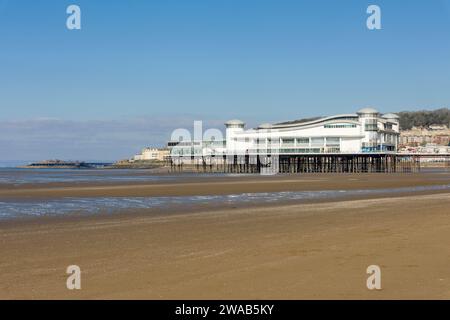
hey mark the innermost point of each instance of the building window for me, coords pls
(303, 141)
(288, 140)
(317, 141)
(339, 126)
(371, 125)
(332, 141)
(333, 150)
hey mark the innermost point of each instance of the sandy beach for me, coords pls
(282, 251)
(196, 185)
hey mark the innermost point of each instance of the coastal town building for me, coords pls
(434, 134)
(151, 154)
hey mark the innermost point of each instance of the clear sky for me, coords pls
(257, 60)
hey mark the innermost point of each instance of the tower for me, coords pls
(233, 127)
(369, 123)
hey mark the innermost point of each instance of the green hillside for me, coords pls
(424, 118)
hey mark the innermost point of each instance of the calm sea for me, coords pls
(18, 176)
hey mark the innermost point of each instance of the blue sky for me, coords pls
(179, 60)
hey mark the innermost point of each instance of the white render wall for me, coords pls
(347, 133)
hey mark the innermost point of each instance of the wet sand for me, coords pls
(285, 251)
(226, 185)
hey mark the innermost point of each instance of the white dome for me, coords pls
(265, 126)
(390, 116)
(368, 111)
(235, 122)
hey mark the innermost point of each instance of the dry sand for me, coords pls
(300, 251)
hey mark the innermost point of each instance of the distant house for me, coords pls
(151, 154)
(434, 134)
(437, 127)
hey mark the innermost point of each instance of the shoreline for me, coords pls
(200, 208)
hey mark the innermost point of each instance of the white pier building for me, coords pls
(364, 131)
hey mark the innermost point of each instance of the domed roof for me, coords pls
(265, 126)
(368, 110)
(390, 116)
(234, 122)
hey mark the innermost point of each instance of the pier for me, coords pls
(306, 163)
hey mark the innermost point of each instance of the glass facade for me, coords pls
(339, 126)
(371, 125)
(317, 141)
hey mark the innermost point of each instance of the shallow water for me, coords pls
(64, 206)
(15, 176)
(19, 176)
